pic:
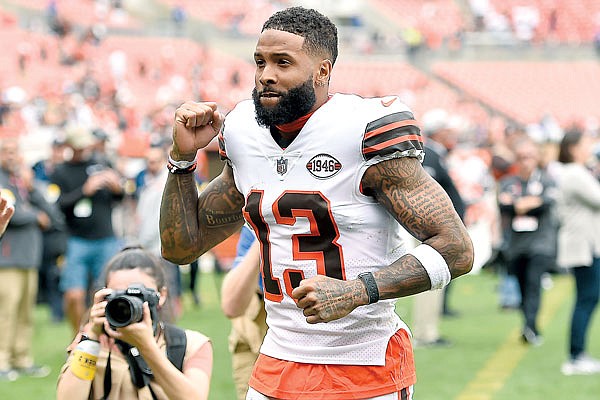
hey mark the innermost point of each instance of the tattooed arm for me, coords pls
(419, 203)
(424, 209)
(191, 224)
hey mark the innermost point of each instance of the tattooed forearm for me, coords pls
(420, 204)
(191, 224)
(215, 219)
(403, 278)
(178, 225)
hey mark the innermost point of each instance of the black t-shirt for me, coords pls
(86, 217)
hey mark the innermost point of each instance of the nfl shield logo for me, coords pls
(282, 164)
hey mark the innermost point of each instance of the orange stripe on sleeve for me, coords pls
(392, 142)
(389, 127)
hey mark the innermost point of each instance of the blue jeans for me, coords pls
(510, 296)
(85, 260)
(587, 283)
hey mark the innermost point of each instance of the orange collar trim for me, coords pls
(294, 126)
(297, 125)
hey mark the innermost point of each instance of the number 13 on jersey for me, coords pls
(319, 245)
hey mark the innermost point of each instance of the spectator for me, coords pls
(179, 17)
(88, 192)
(55, 238)
(579, 244)
(242, 301)
(21, 249)
(501, 141)
(44, 168)
(100, 152)
(526, 203)
(440, 138)
(142, 358)
(54, 248)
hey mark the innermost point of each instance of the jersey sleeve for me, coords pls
(222, 150)
(392, 136)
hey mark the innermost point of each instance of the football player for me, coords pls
(325, 181)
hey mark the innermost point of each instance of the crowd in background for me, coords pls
(82, 176)
(95, 120)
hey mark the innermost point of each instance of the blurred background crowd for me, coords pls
(93, 84)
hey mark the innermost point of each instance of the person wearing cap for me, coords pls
(21, 253)
(429, 306)
(89, 189)
(55, 238)
(100, 153)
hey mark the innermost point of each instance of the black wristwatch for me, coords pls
(368, 280)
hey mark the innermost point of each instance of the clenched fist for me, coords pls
(196, 124)
(325, 299)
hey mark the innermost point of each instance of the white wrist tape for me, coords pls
(434, 264)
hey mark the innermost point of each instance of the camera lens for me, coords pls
(124, 310)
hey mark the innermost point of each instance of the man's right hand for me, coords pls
(6, 212)
(196, 124)
(98, 313)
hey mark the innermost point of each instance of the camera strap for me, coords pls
(107, 378)
(176, 344)
(140, 372)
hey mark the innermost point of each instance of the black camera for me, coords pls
(125, 307)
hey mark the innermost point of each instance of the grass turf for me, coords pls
(486, 361)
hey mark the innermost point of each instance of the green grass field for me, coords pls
(487, 360)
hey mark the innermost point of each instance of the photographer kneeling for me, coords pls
(125, 351)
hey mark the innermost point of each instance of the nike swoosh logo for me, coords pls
(389, 102)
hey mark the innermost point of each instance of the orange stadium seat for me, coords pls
(526, 91)
(417, 90)
(246, 16)
(575, 21)
(422, 14)
(85, 13)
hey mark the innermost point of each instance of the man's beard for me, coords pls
(296, 103)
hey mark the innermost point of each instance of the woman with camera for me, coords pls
(126, 351)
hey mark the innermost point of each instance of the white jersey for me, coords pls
(307, 210)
